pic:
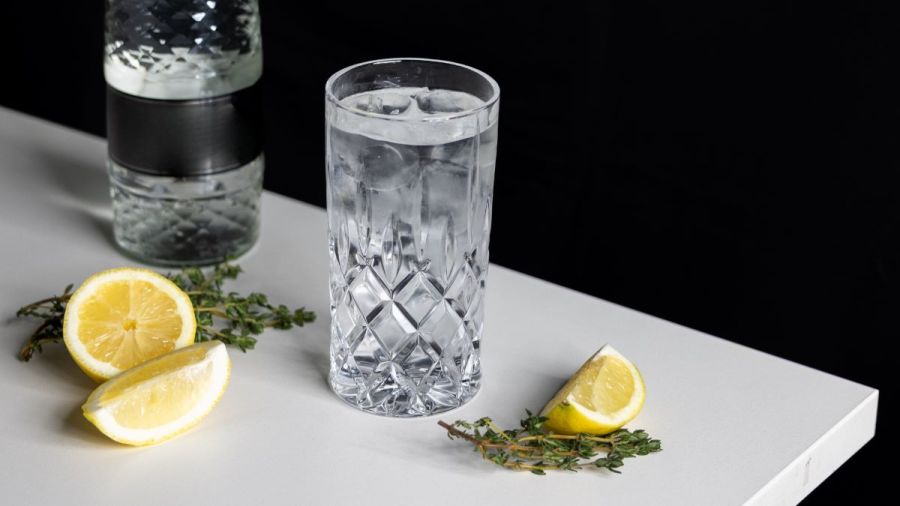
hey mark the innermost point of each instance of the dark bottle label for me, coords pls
(184, 137)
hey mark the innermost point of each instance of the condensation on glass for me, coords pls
(410, 154)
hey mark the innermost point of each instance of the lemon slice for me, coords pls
(605, 394)
(122, 317)
(162, 397)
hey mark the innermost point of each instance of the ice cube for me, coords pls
(445, 189)
(394, 103)
(446, 101)
(388, 166)
(390, 104)
(369, 103)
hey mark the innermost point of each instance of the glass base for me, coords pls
(198, 220)
(384, 395)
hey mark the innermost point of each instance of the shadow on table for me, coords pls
(60, 372)
(76, 426)
(101, 224)
(79, 179)
(314, 351)
(58, 368)
(85, 185)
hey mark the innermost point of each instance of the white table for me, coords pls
(738, 426)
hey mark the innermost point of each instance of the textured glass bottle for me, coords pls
(184, 127)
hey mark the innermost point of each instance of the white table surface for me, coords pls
(738, 426)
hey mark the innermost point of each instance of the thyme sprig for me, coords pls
(51, 310)
(532, 448)
(229, 317)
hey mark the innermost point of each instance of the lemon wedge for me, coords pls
(120, 318)
(163, 397)
(605, 394)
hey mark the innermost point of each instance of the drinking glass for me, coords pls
(410, 152)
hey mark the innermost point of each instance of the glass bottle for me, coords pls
(184, 127)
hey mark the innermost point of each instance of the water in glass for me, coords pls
(410, 192)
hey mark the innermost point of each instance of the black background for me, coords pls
(730, 167)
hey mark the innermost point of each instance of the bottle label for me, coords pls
(184, 137)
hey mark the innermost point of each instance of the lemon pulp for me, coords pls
(603, 395)
(163, 397)
(122, 317)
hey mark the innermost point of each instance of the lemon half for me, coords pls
(605, 394)
(120, 318)
(162, 397)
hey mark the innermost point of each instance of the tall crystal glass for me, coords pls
(410, 154)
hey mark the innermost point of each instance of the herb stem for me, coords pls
(586, 437)
(212, 310)
(226, 316)
(36, 305)
(532, 448)
(200, 292)
(458, 433)
(27, 349)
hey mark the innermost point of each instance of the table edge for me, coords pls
(823, 457)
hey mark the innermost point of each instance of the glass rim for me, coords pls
(330, 96)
